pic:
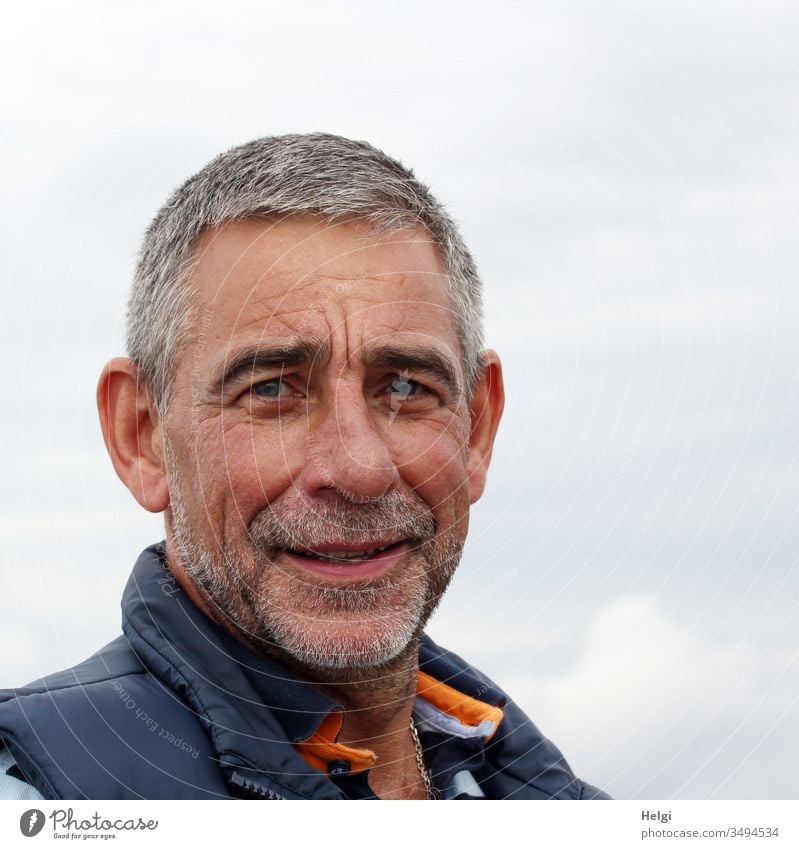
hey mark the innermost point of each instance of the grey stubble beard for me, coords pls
(280, 613)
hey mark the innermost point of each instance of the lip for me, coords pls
(372, 567)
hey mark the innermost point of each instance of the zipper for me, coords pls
(254, 788)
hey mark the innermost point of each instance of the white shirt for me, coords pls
(10, 787)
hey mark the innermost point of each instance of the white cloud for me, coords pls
(651, 708)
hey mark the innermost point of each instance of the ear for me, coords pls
(488, 402)
(132, 433)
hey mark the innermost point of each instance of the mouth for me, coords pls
(342, 555)
(347, 561)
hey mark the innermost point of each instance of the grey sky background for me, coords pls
(626, 176)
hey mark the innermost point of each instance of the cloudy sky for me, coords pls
(626, 175)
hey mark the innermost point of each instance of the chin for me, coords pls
(341, 644)
(355, 627)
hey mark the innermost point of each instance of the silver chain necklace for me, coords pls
(423, 771)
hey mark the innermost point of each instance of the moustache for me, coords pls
(304, 525)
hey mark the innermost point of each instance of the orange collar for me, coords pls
(322, 748)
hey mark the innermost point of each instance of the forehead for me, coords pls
(300, 276)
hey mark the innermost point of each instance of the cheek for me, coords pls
(434, 463)
(246, 465)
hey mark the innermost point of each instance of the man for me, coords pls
(308, 401)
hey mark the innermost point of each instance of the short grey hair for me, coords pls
(317, 173)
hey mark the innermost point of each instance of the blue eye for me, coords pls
(270, 388)
(404, 387)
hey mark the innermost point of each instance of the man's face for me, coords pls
(317, 438)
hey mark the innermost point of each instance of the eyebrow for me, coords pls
(414, 358)
(260, 357)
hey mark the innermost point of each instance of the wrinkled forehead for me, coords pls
(276, 256)
(303, 276)
(294, 263)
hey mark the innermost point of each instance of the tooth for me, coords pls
(343, 554)
(368, 553)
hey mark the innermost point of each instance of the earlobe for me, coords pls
(488, 402)
(132, 433)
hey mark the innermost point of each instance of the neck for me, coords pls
(378, 703)
(375, 698)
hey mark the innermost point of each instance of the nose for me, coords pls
(347, 449)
